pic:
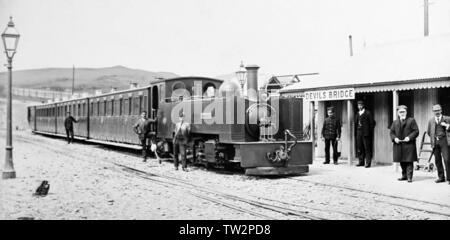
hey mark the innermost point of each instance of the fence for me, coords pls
(46, 94)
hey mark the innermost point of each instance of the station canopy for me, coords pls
(404, 65)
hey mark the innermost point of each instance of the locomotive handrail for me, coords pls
(286, 133)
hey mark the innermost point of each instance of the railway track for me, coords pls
(441, 209)
(264, 207)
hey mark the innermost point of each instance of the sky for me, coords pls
(210, 37)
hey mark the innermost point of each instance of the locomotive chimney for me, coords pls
(252, 82)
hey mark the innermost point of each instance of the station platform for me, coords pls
(381, 179)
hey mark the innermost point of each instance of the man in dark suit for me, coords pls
(180, 140)
(364, 125)
(68, 124)
(142, 128)
(404, 132)
(438, 126)
(331, 132)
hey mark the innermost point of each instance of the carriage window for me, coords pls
(79, 109)
(126, 107)
(145, 103)
(141, 106)
(100, 108)
(130, 105)
(120, 106)
(84, 109)
(112, 107)
(91, 109)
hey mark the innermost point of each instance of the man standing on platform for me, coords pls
(438, 126)
(404, 132)
(364, 125)
(331, 132)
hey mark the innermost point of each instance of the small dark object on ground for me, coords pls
(42, 190)
(25, 218)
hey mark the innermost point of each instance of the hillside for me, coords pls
(119, 77)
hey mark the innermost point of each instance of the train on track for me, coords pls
(227, 128)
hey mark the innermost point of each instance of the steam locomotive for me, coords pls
(259, 133)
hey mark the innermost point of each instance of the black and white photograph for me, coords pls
(225, 110)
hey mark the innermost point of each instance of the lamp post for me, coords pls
(10, 39)
(241, 76)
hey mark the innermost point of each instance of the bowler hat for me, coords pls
(360, 102)
(330, 109)
(437, 107)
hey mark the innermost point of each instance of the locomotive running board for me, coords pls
(277, 171)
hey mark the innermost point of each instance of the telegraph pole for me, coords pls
(425, 15)
(426, 18)
(73, 78)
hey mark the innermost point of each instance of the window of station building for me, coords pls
(91, 109)
(79, 109)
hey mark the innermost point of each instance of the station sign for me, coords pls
(330, 94)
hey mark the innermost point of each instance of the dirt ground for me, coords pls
(89, 181)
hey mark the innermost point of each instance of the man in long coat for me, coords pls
(364, 126)
(404, 131)
(438, 127)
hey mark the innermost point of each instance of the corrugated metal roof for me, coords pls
(395, 63)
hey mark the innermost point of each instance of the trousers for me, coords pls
(144, 147)
(327, 150)
(441, 152)
(69, 133)
(407, 169)
(180, 149)
(364, 147)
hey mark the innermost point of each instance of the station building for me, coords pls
(415, 73)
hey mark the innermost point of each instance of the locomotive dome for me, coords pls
(230, 88)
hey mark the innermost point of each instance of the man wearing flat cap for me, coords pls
(364, 126)
(404, 131)
(438, 127)
(331, 132)
(180, 140)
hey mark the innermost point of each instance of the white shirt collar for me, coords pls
(361, 111)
